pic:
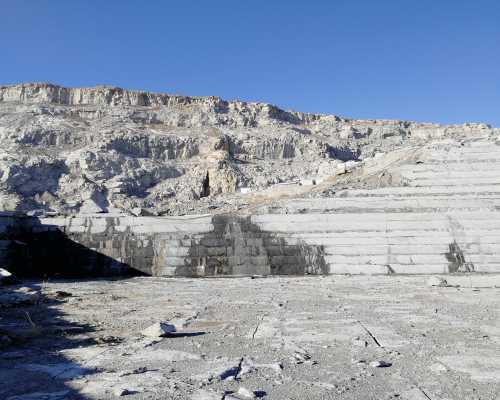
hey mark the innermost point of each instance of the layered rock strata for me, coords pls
(83, 150)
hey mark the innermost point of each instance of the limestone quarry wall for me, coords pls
(181, 246)
(269, 244)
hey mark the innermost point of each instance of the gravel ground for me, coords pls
(335, 337)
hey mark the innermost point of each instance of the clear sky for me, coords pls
(421, 60)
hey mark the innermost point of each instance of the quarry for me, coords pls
(158, 246)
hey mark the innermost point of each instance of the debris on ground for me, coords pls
(380, 364)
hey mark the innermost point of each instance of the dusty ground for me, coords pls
(282, 338)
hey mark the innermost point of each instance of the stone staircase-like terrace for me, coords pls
(445, 219)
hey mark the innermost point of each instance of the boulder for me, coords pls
(159, 329)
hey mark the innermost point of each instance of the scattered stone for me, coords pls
(247, 366)
(63, 294)
(301, 356)
(6, 278)
(229, 373)
(380, 364)
(277, 367)
(159, 329)
(359, 342)
(437, 281)
(111, 340)
(438, 367)
(121, 392)
(340, 169)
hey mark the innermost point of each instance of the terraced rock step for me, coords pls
(443, 217)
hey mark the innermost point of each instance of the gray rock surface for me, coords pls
(442, 342)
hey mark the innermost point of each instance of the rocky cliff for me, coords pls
(81, 150)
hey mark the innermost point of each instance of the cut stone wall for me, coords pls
(181, 246)
(266, 244)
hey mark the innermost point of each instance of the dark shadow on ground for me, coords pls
(34, 333)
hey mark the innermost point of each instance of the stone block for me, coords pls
(285, 260)
(213, 242)
(174, 251)
(259, 260)
(216, 251)
(174, 261)
(254, 241)
(235, 260)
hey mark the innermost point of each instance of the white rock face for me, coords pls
(71, 150)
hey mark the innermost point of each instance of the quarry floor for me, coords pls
(279, 337)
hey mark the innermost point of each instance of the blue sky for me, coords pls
(421, 60)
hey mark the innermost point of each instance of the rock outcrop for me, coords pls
(86, 150)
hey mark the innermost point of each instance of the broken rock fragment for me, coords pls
(6, 278)
(158, 329)
(359, 342)
(380, 364)
(121, 392)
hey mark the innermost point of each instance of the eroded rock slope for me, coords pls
(86, 150)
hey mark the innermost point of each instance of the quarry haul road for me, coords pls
(335, 337)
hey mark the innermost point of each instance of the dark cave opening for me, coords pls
(205, 189)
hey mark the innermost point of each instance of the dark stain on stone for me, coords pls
(235, 246)
(239, 247)
(456, 259)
